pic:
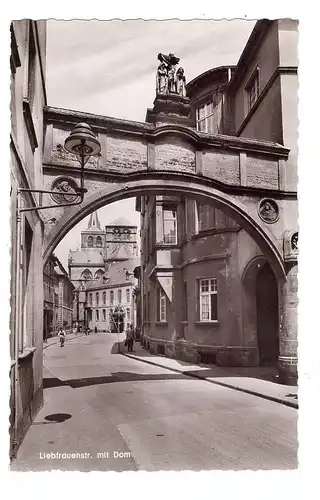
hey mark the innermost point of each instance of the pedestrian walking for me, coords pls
(129, 337)
(62, 336)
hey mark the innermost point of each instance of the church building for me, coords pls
(102, 273)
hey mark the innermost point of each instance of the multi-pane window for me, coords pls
(253, 89)
(90, 299)
(97, 298)
(103, 315)
(208, 293)
(162, 305)
(205, 118)
(119, 296)
(104, 297)
(128, 294)
(97, 314)
(170, 226)
(206, 217)
(128, 314)
(111, 297)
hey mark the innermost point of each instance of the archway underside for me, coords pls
(242, 208)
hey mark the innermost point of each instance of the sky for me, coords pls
(109, 68)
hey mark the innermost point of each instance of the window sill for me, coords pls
(185, 323)
(26, 353)
(161, 323)
(207, 323)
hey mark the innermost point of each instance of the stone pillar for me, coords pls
(288, 325)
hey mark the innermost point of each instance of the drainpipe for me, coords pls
(17, 322)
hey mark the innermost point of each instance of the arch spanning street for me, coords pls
(233, 173)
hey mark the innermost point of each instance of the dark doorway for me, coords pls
(267, 316)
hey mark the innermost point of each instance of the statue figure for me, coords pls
(169, 62)
(181, 82)
(162, 79)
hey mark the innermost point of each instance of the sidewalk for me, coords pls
(258, 381)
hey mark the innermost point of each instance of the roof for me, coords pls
(218, 73)
(86, 256)
(117, 274)
(252, 45)
(121, 221)
(120, 252)
(93, 224)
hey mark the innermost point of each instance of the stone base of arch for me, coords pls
(288, 369)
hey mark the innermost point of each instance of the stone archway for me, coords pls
(260, 325)
(269, 242)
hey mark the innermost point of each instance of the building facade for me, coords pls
(103, 273)
(208, 292)
(58, 298)
(28, 97)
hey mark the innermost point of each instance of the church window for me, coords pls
(86, 275)
(99, 241)
(90, 241)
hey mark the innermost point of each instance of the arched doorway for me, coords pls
(267, 316)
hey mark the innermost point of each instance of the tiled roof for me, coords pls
(121, 221)
(87, 256)
(117, 274)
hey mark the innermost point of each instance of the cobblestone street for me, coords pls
(117, 413)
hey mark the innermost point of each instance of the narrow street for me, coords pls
(117, 413)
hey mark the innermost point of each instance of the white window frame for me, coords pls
(207, 288)
(205, 118)
(166, 217)
(162, 304)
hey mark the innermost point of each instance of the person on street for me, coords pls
(130, 337)
(62, 336)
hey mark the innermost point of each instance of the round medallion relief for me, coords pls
(268, 210)
(67, 188)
